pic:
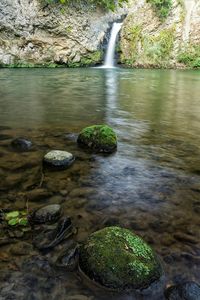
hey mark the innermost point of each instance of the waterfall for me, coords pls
(189, 6)
(110, 53)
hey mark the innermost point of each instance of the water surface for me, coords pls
(151, 185)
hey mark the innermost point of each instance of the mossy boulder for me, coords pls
(99, 138)
(118, 259)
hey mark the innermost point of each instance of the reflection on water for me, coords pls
(150, 185)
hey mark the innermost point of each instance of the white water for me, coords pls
(110, 54)
(189, 5)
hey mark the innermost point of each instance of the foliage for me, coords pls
(107, 4)
(150, 49)
(16, 218)
(162, 7)
(190, 56)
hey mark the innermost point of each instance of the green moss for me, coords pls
(100, 138)
(190, 56)
(162, 7)
(117, 258)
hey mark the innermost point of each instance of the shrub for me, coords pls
(162, 7)
(190, 56)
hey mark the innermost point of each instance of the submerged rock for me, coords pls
(119, 259)
(21, 144)
(188, 291)
(58, 159)
(100, 138)
(47, 214)
(50, 237)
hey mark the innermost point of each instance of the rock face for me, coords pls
(99, 138)
(36, 33)
(149, 41)
(119, 259)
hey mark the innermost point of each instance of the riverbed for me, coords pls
(151, 185)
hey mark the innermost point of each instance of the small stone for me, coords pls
(47, 214)
(21, 144)
(118, 259)
(99, 138)
(189, 290)
(58, 159)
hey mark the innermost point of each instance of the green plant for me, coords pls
(190, 56)
(16, 218)
(162, 7)
(107, 4)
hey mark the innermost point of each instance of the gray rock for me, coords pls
(47, 214)
(21, 144)
(58, 159)
(186, 291)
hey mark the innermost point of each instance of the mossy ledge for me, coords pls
(118, 259)
(99, 138)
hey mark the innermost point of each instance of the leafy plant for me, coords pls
(16, 218)
(190, 56)
(162, 7)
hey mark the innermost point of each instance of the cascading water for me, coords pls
(110, 54)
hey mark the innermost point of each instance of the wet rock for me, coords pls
(47, 214)
(38, 194)
(99, 138)
(186, 291)
(49, 238)
(21, 144)
(185, 238)
(21, 248)
(58, 159)
(118, 259)
(68, 258)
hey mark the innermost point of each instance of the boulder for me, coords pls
(118, 259)
(99, 138)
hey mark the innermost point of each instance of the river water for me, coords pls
(151, 185)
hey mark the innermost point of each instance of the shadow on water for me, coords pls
(150, 185)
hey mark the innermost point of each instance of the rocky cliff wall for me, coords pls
(33, 33)
(149, 41)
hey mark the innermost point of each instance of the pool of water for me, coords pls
(151, 185)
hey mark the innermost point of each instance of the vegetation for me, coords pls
(162, 7)
(190, 56)
(100, 138)
(149, 49)
(117, 258)
(107, 4)
(16, 218)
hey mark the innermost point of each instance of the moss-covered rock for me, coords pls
(100, 138)
(119, 259)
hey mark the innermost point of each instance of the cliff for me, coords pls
(33, 33)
